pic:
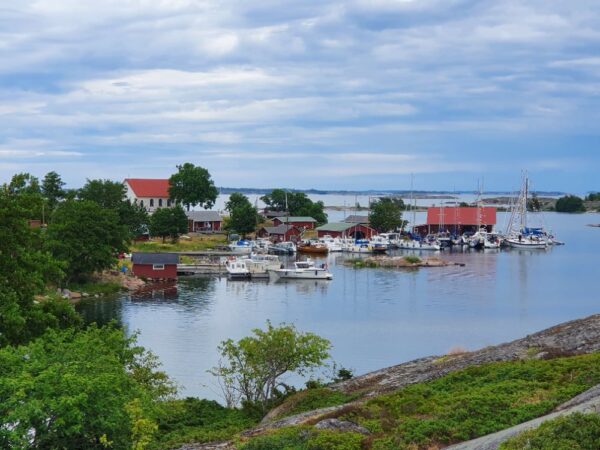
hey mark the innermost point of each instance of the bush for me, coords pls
(574, 432)
(412, 259)
(303, 438)
(570, 204)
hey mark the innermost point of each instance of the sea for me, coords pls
(373, 318)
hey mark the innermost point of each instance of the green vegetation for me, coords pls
(169, 222)
(52, 189)
(570, 204)
(192, 186)
(386, 214)
(359, 263)
(195, 243)
(462, 405)
(79, 389)
(593, 197)
(573, 432)
(303, 438)
(412, 259)
(296, 204)
(96, 287)
(243, 217)
(250, 369)
(195, 420)
(316, 398)
(85, 238)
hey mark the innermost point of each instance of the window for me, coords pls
(169, 202)
(158, 267)
(141, 202)
(160, 202)
(151, 203)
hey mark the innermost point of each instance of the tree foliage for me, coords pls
(169, 222)
(296, 204)
(85, 237)
(79, 389)
(53, 189)
(25, 269)
(570, 204)
(386, 214)
(192, 185)
(242, 215)
(112, 195)
(251, 369)
(593, 197)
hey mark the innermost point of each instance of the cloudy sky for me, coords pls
(352, 94)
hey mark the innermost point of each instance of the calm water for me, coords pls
(374, 318)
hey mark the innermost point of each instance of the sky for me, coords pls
(356, 94)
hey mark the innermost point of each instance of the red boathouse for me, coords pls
(458, 219)
(155, 266)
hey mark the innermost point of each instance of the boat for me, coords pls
(392, 238)
(312, 247)
(236, 268)
(415, 242)
(282, 248)
(358, 246)
(333, 244)
(379, 244)
(258, 265)
(303, 270)
(518, 233)
(242, 246)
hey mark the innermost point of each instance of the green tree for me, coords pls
(570, 204)
(242, 215)
(24, 183)
(112, 195)
(192, 185)
(296, 204)
(386, 214)
(169, 222)
(593, 197)
(251, 368)
(79, 390)
(85, 237)
(534, 204)
(52, 189)
(25, 269)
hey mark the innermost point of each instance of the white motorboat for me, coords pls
(258, 265)
(303, 270)
(236, 268)
(359, 246)
(333, 244)
(392, 238)
(379, 244)
(418, 244)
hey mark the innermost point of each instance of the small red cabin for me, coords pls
(280, 233)
(204, 221)
(155, 266)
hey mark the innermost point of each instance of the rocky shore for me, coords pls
(399, 262)
(567, 339)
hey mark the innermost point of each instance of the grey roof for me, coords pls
(357, 219)
(204, 216)
(287, 219)
(154, 258)
(281, 229)
(336, 226)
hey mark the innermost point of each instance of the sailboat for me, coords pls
(518, 233)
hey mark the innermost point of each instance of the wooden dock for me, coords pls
(201, 269)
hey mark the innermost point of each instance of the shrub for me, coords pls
(574, 432)
(412, 259)
(570, 204)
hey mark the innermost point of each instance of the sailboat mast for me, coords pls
(413, 201)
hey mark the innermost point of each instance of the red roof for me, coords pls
(149, 187)
(461, 215)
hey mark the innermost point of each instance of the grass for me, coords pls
(195, 243)
(311, 399)
(459, 406)
(573, 432)
(412, 259)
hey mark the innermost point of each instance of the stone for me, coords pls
(74, 295)
(341, 425)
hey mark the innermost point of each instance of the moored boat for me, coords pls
(313, 247)
(303, 270)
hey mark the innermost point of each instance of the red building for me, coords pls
(204, 221)
(155, 266)
(458, 219)
(304, 222)
(346, 230)
(280, 233)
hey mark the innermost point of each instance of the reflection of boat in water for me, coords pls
(303, 270)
